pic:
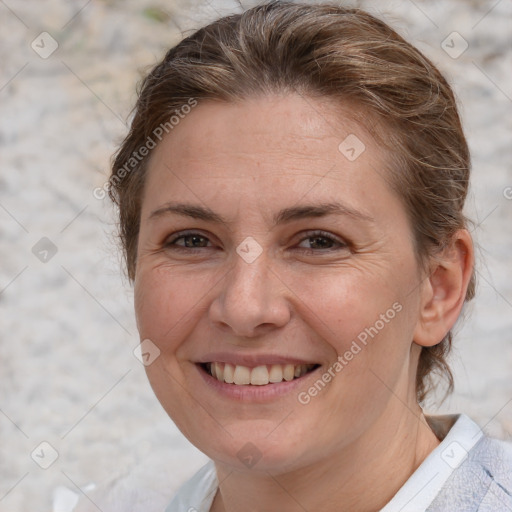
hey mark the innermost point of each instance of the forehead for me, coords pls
(277, 121)
(260, 146)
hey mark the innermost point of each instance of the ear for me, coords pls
(444, 290)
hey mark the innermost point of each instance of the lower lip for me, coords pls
(252, 393)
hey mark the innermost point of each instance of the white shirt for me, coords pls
(467, 472)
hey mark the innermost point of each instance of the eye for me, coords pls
(321, 241)
(188, 240)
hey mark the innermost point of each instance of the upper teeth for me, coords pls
(258, 376)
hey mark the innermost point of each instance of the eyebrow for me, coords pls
(283, 216)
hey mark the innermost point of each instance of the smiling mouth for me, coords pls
(259, 375)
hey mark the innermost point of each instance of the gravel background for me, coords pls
(69, 376)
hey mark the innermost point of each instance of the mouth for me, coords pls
(261, 375)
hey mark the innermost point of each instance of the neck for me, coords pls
(363, 476)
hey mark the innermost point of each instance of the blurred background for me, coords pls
(77, 416)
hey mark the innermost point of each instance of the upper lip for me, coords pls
(251, 360)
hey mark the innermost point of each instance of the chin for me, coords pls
(252, 446)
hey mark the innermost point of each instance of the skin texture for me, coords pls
(358, 440)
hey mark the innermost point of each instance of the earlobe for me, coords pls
(444, 290)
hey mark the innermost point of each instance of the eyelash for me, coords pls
(310, 235)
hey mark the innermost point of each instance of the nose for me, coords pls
(252, 300)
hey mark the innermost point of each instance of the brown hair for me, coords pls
(323, 51)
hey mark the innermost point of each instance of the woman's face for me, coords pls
(270, 238)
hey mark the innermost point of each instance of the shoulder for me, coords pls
(197, 494)
(481, 480)
(467, 472)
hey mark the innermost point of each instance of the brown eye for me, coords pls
(191, 240)
(320, 240)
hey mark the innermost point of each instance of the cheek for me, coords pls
(368, 321)
(343, 303)
(167, 308)
(165, 302)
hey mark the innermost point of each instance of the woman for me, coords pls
(290, 198)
